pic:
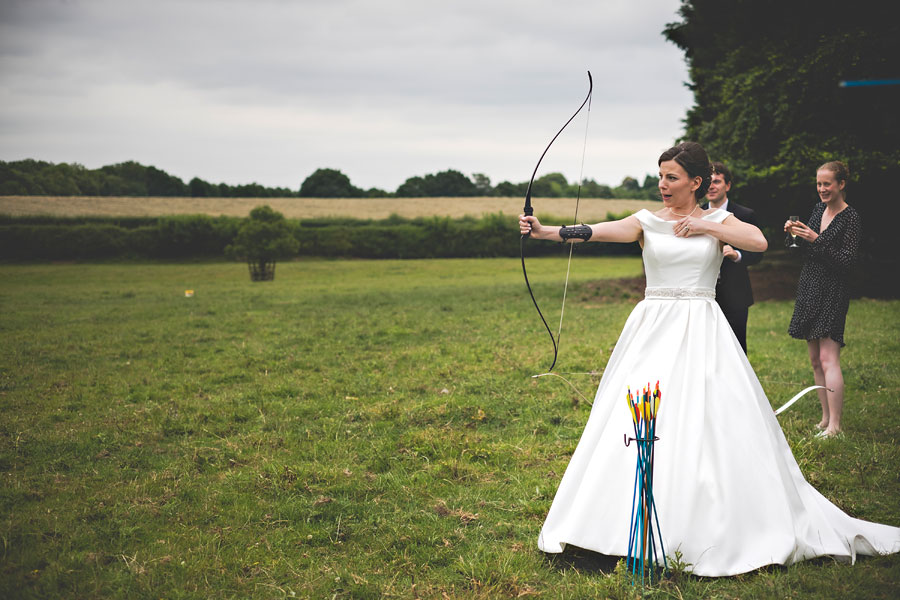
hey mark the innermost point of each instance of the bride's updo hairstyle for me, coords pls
(693, 159)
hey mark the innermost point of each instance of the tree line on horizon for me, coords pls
(31, 177)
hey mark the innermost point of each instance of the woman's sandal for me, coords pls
(825, 434)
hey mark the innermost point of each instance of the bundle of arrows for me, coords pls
(645, 545)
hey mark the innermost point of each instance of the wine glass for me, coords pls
(793, 219)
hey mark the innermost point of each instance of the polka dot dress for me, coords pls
(823, 297)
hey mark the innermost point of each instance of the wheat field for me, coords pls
(589, 209)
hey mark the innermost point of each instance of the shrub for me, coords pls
(261, 240)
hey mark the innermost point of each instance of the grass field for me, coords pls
(358, 429)
(589, 209)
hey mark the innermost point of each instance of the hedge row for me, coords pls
(162, 238)
(199, 236)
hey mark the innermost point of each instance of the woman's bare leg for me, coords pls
(830, 359)
(819, 378)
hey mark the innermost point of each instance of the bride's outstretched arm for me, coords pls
(731, 231)
(624, 230)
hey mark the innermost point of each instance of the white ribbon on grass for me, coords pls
(788, 404)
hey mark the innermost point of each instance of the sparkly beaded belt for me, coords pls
(674, 293)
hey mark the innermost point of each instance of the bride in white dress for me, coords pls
(729, 493)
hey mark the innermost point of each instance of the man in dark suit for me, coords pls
(733, 291)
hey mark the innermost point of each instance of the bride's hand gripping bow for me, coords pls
(529, 225)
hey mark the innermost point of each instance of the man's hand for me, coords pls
(730, 253)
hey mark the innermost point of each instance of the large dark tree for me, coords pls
(134, 179)
(766, 77)
(329, 183)
(450, 183)
(413, 187)
(200, 188)
(446, 183)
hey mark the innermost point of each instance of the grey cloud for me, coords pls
(405, 62)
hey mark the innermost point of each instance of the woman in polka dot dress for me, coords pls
(820, 311)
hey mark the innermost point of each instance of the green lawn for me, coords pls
(358, 429)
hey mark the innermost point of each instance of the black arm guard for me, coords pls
(578, 232)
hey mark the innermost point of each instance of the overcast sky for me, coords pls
(267, 91)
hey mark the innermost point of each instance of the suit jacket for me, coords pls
(733, 288)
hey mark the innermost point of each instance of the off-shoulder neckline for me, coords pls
(709, 214)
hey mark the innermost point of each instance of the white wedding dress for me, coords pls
(730, 496)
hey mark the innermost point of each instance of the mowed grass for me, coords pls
(589, 209)
(358, 429)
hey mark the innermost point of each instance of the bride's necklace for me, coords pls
(696, 206)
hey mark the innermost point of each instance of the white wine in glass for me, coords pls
(793, 219)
